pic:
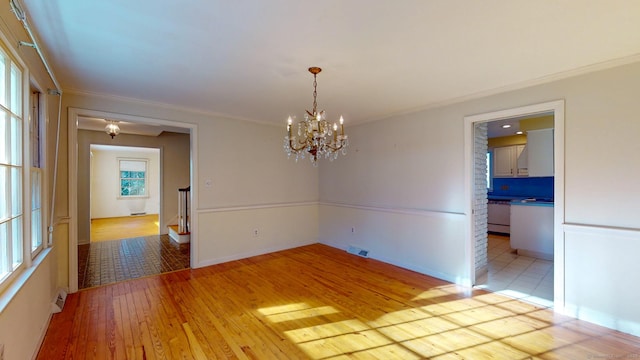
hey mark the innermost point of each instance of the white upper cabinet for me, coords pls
(540, 152)
(503, 162)
(522, 167)
(508, 161)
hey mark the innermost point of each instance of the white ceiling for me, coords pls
(248, 59)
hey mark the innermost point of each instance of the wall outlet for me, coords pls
(353, 229)
(255, 232)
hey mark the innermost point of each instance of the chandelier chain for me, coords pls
(315, 95)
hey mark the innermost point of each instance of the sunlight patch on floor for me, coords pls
(443, 291)
(274, 310)
(323, 331)
(301, 314)
(452, 325)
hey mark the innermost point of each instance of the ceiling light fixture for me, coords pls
(506, 126)
(112, 128)
(315, 135)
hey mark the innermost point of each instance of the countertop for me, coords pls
(520, 200)
(531, 203)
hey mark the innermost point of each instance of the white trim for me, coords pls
(27, 255)
(409, 266)
(248, 254)
(72, 144)
(384, 209)
(396, 210)
(255, 207)
(73, 114)
(602, 230)
(557, 107)
(146, 177)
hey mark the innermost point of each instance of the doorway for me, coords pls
(124, 206)
(124, 192)
(519, 252)
(175, 143)
(482, 246)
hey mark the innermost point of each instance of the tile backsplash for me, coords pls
(539, 187)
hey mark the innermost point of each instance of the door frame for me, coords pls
(556, 107)
(72, 121)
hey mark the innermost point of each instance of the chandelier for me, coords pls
(112, 128)
(315, 135)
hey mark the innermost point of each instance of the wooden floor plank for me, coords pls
(314, 302)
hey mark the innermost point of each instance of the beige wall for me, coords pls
(405, 171)
(26, 305)
(175, 172)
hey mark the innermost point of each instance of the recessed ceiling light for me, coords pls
(506, 126)
(519, 133)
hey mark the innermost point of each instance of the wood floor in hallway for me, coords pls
(125, 227)
(315, 302)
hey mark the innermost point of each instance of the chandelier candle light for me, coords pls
(315, 135)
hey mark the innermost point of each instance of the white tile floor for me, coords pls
(523, 277)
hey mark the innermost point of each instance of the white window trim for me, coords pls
(146, 178)
(20, 273)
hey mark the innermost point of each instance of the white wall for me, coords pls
(253, 187)
(402, 181)
(105, 183)
(404, 170)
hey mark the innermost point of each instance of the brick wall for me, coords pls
(480, 197)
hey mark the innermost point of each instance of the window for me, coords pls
(35, 134)
(489, 177)
(11, 167)
(133, 177)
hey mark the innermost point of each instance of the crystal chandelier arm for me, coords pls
(335, 148)
(294, 148)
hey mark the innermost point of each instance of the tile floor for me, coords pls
(523, 277)
(113, 261)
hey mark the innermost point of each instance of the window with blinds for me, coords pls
(133, 177)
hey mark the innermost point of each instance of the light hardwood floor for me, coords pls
(315, 302)
(126, 227)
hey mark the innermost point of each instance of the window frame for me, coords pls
(490, 169)
(37, 166)
(17, 217)
(120, 178)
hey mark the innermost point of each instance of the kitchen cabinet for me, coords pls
(506, 161)
(498, 217)
(540, 152)
(532, 229)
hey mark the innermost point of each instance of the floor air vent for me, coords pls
(357, 251)
(58, 303)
